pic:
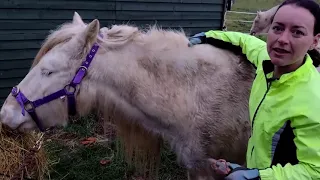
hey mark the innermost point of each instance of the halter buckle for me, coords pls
(69, 89)
(15, 91)
(29, 106)
(83, 68)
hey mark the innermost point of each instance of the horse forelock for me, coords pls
(60, 35)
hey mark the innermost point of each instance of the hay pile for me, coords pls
(15, 150)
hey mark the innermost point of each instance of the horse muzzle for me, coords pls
(10, 116)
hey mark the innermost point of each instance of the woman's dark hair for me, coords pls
(314, 9)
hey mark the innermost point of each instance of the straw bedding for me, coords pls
(15, 150)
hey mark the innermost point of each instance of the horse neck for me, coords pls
(129, 80)
(112, 78)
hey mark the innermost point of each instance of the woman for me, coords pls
(284, 103)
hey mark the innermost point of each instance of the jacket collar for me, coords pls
(298, 74)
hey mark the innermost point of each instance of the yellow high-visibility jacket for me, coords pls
(284, 112)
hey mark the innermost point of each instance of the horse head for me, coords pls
(45, 95)
(262, 22)
(81, 66)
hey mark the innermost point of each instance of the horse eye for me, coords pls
(46, 72)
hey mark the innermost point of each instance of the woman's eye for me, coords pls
(276, 28)
(298, 33)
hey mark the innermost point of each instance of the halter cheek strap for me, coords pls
(68, 91)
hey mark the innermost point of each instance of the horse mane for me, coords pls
(119, 35)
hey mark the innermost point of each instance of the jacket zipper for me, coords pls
(264, 96)
(255, 113)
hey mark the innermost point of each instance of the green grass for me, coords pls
(69, 159)
(81, 162)
(72, 160)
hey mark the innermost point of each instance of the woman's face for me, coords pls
(291, 35)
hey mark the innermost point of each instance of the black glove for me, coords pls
(197, 39)
(241, 173)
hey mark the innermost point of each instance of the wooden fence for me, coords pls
(239, 21)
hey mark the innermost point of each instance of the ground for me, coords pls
(73, 156)
(84, 150)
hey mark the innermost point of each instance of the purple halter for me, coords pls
(68, 91)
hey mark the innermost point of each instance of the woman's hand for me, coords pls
(233, 171)
(196, 39)
(241, 173)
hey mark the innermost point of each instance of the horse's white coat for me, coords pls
(194, 97)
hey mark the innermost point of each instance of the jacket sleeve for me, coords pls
(253, 47)
(307, 141)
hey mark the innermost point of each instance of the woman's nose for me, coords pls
(284, 38)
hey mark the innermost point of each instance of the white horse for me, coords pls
(196, 98)
(262, 22)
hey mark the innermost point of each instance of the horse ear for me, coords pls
(259, 14)
(91, 32)
(77, 19)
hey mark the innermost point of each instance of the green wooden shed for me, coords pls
(24, 24)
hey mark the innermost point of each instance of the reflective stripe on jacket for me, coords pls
(285, 114)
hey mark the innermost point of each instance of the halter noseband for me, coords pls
(68, 91)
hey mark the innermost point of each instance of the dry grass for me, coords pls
(15, 149)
